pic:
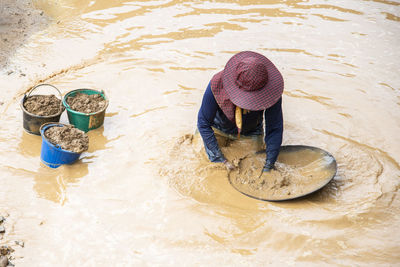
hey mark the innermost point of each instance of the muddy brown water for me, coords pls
(135, 199)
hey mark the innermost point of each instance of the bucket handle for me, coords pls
(46, 84)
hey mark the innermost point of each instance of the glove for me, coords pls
(268, 167)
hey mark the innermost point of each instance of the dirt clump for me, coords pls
(5, 252)
(2, 229)
(86, 103)
(3, 261)
(43, 105)
(68, 138)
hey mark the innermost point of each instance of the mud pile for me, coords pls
(68, 138)
(43, 105)
(5, 251)
(2, 229)
(86, 103)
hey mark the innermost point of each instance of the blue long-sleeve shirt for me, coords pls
(211, 115)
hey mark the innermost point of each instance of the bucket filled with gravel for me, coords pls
(62, 144)
(38, 109)
(86, 108)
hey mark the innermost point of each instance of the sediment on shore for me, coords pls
(18, 21)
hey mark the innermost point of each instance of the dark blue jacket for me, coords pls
(211, 115)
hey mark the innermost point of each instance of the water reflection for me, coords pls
(97, 140)
(30, 144)
(52, 184)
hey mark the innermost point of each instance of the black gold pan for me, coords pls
(296, 157)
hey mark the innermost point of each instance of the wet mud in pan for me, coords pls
(300, 170)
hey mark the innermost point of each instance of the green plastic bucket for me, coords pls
(85, 121)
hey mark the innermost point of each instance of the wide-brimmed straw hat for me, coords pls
(252, 81)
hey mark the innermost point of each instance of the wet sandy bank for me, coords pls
(18, 20)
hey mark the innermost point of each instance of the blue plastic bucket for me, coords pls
(53, 155)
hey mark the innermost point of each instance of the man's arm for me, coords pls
(205, 118)
(273, 133)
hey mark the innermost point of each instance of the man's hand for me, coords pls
(229, 166)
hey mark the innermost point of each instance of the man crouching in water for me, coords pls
(237, 98)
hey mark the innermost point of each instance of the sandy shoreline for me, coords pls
(19, 19)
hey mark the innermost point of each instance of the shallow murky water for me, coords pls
(119, 205)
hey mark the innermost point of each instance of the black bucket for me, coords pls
(32, 122)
